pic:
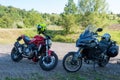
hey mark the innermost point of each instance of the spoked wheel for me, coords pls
(48, 63)
(104, 62)
(70, 65)
(15, 55)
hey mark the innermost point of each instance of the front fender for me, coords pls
(50, 52)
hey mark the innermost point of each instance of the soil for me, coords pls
(26, 68)
(114, 27)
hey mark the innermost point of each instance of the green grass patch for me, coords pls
(57, 34)
(115, 34)
(82, 75)
(8, 78)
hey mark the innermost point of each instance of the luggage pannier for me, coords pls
(113, 51)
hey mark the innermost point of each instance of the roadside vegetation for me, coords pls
(63, 27)
(56, 32)
(74, 15)
(66, 27)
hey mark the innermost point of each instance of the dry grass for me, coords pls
(57, 34)
(10, 35)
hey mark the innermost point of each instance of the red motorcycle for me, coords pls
(37, 49)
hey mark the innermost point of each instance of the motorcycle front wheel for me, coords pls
(48, 63)
(15, 55)
(70, 65)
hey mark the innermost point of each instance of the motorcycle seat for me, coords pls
(26, 39)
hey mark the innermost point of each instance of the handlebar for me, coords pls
(47, 36)
(19, 38)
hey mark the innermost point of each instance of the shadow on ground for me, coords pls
(28, 70)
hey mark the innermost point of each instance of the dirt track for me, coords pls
(25, 68)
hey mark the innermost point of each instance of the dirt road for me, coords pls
(26, 68)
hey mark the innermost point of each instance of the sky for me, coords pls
(114, 6)
(52, 6)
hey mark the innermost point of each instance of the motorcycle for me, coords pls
(37, 49)
(91, 49)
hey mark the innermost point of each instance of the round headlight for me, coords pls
(49, 42)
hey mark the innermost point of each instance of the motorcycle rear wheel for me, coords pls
(68, 65)
(48, 63)
(15, 55)
(104, 62)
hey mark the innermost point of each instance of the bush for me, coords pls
(19, 26)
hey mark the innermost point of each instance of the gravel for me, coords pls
(26, 68)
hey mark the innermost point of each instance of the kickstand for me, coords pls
(94, 65)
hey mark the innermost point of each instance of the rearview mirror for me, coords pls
(99, 29)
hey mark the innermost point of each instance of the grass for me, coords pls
(10, 35)
(115, 34)
(83, 75)
(56, 33)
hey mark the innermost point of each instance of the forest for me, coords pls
(69, 23)
(86, 12)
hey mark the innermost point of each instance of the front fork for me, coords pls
(18, 47)
(78, 54)
(47, 52)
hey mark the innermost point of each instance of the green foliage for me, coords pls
(10, 17)
(61, 38)
(5, 21)
(55, 19)
(57, 34)
(19, 26)
(87, 12)
(119, 21)
(68, 22)
(74, 16)
(32, 18)
(85, 6)
(68, 17)
(70, 7)
(84, 13)
(92, 12)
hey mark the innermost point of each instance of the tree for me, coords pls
(32, 18)
(54, 19)
(92, 12)
(11, 17)
(98, 6)
(68, 22)
(6, 22)
(70, 8)
(68, 17)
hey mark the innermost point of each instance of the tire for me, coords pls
(15, 55)
(50, 63)
(104, 62)
(68, 66)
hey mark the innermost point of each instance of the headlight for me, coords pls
(50, 42)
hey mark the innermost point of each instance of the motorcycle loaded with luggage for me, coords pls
(90, 48)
